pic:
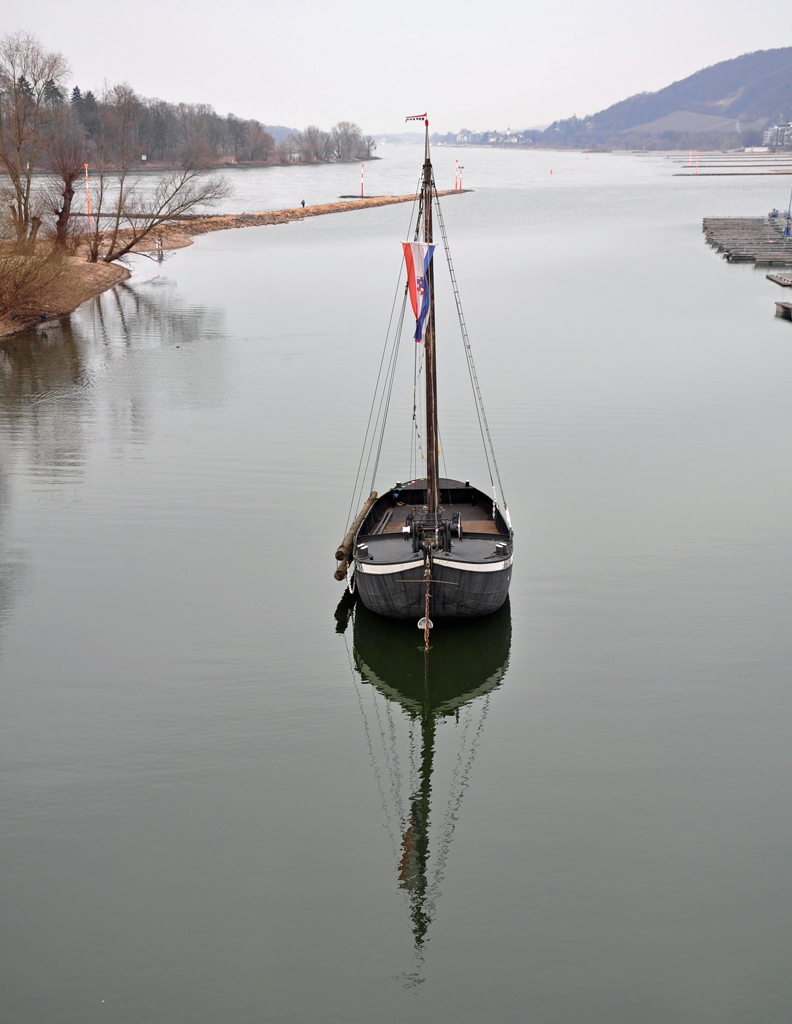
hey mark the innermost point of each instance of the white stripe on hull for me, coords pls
(387, 570)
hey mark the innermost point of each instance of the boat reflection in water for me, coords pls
(424, 716)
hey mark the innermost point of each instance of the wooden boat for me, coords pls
(431, 548)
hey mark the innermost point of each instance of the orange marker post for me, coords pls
(87, 195)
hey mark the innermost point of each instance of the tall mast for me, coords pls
(432, 478)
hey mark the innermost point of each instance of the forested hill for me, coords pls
(735, 98)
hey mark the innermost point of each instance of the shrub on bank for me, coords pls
(27, 271)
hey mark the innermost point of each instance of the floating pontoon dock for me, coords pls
(759, 240)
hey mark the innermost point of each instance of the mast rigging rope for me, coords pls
(489, 449)
(368, 438)
(377, 422)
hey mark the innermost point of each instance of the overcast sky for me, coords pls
(484, 64)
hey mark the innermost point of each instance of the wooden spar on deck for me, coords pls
(344, 550)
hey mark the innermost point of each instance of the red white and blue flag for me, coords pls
(418, 256)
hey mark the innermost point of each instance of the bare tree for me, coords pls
(175, 196)
(288, 150)
(115, 149)
(159, 128)
(132, 209)
(261, 144)
(328, 151)
(238, 130)
(66, 159)
(30, 95)
(200, 132)
(346, 139)
(315, 144)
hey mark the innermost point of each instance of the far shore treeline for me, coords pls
(167, 134)
(50, 129)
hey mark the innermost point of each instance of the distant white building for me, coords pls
(778, 135)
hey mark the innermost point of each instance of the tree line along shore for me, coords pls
(55, 249)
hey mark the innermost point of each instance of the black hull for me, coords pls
(455, 593)
(470, 544)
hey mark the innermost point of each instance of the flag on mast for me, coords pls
(418, 256)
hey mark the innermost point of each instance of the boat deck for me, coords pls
(387, 543)
(474, 519)
(383, 529)
(396, 547)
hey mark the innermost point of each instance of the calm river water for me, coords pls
(221, 802)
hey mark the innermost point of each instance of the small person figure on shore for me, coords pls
(159, 241)
(160, 253)
(303, 204)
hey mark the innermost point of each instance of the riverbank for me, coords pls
(83, 281)
(79, 282)
(178, 233)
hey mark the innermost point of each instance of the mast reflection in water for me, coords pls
(451, 687)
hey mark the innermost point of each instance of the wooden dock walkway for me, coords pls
(759, 240)
(785, 282)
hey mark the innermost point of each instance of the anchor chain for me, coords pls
(428, 576)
